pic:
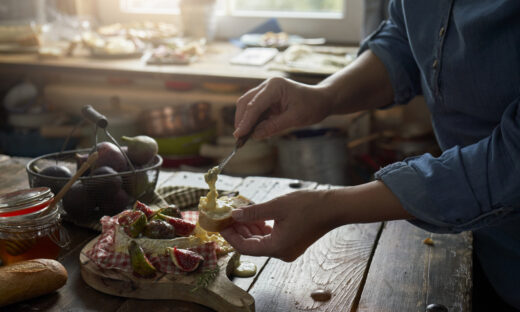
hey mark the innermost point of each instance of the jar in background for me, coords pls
(29, 227)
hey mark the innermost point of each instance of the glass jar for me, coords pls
(30, 227)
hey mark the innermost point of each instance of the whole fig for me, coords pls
(115, 204)
(56, 171)
(104, 183)
(159, 229)
(110, 155)
(141, 149)
(77, 203)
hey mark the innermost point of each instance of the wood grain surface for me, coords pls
(407, 275)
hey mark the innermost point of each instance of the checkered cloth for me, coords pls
(182, 196)
(104, 255)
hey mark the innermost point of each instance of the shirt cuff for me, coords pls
(415, 197)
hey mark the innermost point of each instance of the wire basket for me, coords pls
(94, 196)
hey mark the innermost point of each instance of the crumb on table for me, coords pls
(428, 241)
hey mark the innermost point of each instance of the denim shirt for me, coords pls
(464, 57)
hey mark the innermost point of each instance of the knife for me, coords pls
(242, 140)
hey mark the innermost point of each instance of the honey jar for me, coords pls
(30, 227)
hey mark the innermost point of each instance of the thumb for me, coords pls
(258, 212)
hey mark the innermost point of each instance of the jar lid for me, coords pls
(24, 202)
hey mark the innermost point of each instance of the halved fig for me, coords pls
(182, 227)
(185, 260)
(139, 206)
(133, 222)
(140, 264)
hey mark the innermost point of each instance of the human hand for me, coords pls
(289, 104)
(299, 220)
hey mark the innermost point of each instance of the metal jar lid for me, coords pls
(25, 204)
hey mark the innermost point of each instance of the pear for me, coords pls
(141, 149)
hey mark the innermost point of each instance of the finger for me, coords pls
(265, 228)
(254, 229)
(243, 101)
(259, 212)
(274, 125)
(243, 230)
(262, 101)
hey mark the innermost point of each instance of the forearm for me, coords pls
(364, 203)
(364, 84)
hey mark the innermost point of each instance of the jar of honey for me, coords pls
(30, 226)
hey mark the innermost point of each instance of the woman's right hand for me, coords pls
(289, 104)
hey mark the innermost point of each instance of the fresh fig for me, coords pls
(56, 171)
(133, 222)
(138, 184)
(182, 227)
(104, 184)
(172, 211)
(159, 229)
(186, 260)
(141, 149)
(78, 204)
(115, 204)
(139, 206)
(110, 155)
(140, 264)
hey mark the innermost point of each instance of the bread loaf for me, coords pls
(28, 279)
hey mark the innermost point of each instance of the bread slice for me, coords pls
(220, 218)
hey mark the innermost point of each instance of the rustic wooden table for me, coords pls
(367, 267)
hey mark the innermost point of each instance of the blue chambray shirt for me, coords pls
(464, 57)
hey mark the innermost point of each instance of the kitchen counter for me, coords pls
(214, 64)
(367, 267)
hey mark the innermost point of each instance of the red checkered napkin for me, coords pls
(103, 254)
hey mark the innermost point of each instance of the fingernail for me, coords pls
(235, 134)
(237, 214)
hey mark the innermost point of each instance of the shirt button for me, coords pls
(435, 63)
(442, 31)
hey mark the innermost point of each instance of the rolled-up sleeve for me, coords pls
(390, 44)
(465, 188)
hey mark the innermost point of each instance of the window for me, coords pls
(337, 20)
(296, 6)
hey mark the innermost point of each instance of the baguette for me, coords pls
(216, 222)
(28, 279)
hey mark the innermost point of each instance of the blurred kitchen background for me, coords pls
(173, 70)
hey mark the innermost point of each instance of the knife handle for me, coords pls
(243, 139)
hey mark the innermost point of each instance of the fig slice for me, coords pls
(139, 206)
(140, 264)
(182, 227)
(133, 222)
(186, 260)
(172, 211)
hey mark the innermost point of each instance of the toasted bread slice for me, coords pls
(220, 218)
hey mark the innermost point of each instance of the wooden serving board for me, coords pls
(220, 295)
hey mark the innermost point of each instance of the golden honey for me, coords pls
(30, 226)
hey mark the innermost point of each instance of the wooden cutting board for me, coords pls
(220, 295)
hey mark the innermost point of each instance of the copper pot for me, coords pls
(176, 120)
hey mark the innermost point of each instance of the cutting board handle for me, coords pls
(223, 295)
